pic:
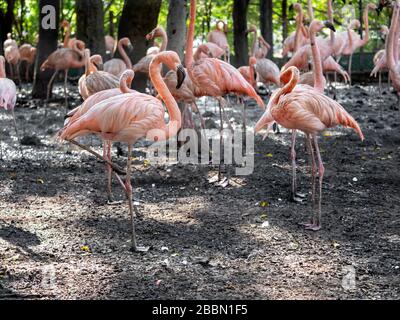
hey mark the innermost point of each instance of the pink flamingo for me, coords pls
(300, 107)
(68, 41)
(144, 63)
(218, 36)
(392, 46)
(129, 117)
(28, 54)
(124, 87)
(111, 45)
(117, 66)
(8, 94)
(12, 55)
(260, 47)
(299, 37)
(249, 72)
(212, 51)
(358, 42)
(93, 80)
(214, 77)
(62, 60)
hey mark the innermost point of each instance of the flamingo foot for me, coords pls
(313, 226)
(139, 249)
(298, 197)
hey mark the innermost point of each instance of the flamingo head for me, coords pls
(127, 43)
(297, 7)
(172, 61)
(317, 25)
(157, 32)
(97, 60)
(64, 24)
(8, 35)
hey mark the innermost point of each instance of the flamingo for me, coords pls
(144, 63)
(93, 80)
(358, 42)
(27, 53)
(218, 36)
(213, 50)
(62, 60)
(111, 45)
(12, 55)
(117, 66)
(68, 41)
(124, 87)
(392, 45)
(214, 77)
(260, 46)
(249, 72)
(129, 117)
(301, 107)
(299, 37)
(8, 94)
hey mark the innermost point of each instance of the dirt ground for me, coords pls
(60, 240)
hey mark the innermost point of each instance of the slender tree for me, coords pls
(284, 20)
(139, 18)
(240, 8)
(49, 12)
(6, 21)
(90, 24)
(266, 25)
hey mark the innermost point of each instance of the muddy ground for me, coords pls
(60, 240)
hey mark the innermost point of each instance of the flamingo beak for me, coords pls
(100, 67)
(329, 25)
(130, 48)
(180, 75)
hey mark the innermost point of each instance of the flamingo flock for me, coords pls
(116, 113)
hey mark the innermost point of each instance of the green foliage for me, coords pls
(208, 12)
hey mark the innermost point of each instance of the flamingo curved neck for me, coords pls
(124, 56)
(365, 39)
(67, 35)
(164, 43)
(190, 37)
(289, 86)
(254, 50)
(299, 24)
(125, 83)
(319, 80)
(172, 128)
(310, 10)
(391, 41)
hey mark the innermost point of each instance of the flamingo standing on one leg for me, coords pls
(214, 77)
(8, 94)
(124, 87)
(12, 55)
(129, 117)
(27, 53)
(62, 60)
(218, 36)
(300, 107)
(117, 66)
(93, 80)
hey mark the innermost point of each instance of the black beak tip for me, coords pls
(181, 75)
(329, 25)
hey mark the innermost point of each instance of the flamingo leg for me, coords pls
(221, 139)
(350, 67)
(49, 87)
(128, 186)
(244, 115)
(316, 224)
(17, 132)
(65, 90)
(19, 75)
(295, 196)
(107, 155)
(28, 66)
(380, 82)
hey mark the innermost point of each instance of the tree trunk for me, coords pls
(48, 40)
(176, 26)
(138, 19)
(267, 29)
(111, 31)
(239, 32)
(6, 21)
(90, 25)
